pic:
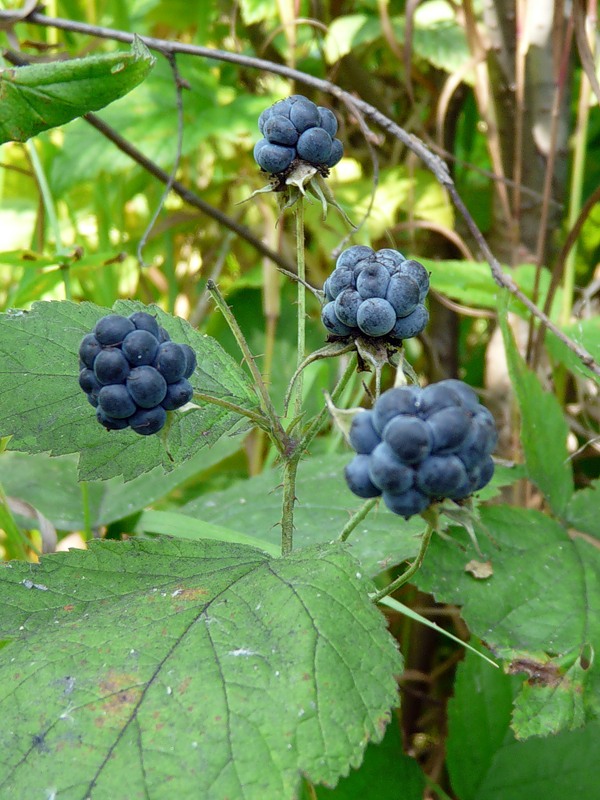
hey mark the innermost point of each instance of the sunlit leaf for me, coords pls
(41, 96)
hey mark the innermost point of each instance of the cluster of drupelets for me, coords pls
(376, 294)
(132, 373)
(295, 129)
(415, 447)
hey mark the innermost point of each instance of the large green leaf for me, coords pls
(43, 408)
(198, 666)
(471, 282)
(485, 761)
(544, 429)
(582, 511)
(540, 611)
(50, 485)
(42, 96)
(148, 117)
(324, 506)
(386, 767)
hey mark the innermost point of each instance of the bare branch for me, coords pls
(433, 162)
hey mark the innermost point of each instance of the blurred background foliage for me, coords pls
(518, 123)
(505, 112)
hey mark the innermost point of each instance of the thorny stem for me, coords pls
(289, 498)
(357, 518)
(258, 419)
(433, 162)
(318, 422)
(411, 570)
(279, 436)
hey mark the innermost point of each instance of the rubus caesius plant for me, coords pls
(234, 646)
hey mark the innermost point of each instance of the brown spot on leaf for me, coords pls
(183, 686)
(191, 595)
(119, 691)
(539, 674)
(70, 607)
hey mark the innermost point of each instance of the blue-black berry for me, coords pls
(419, 446)
(132, 373)
(376, 294)
(297, 129)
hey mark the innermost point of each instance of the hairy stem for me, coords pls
(258, 419)
(290, 470)
(411, 570)
(280, 438)
(357, 518)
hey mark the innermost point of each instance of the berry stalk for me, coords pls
(357, 518)
(413, 568)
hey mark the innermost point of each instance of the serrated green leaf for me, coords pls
(436, 36)
(582, 511)
(471, 282)
(42, 96)
(386, 767)
(44, 410)
(540, 710)
(257, 670)
(324, 506)
(544, 430)
(539, 611)
(439, 38)
(485, 762)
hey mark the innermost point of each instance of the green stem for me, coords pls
(357, 518)
(279, 435)
(410, 571)
(289, 498)
(47, 198)
(50, 209)
(87, 515)
(319, 421)
(65, 271)
(301, 266)
(259, 419)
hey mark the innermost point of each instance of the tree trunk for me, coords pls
(523, 66)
